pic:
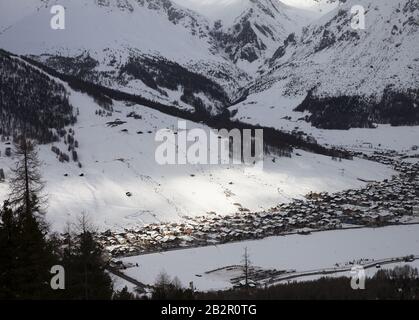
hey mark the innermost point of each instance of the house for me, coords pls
(384, 216)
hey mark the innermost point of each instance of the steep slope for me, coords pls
(103, 38)
(119, 183)
(257, 30)
(13, 11)
(31, 103)
(134, 44)
(249, 30)
(99, 23)
(345, 77)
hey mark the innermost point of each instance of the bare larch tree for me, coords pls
(26, 184)
(246, 266)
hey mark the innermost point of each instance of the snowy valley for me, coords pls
(339, 108)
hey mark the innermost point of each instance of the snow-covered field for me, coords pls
(369, 273)
(314, 251)
(117, 160)
(270, 108)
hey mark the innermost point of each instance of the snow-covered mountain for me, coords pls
(320, 6)
(346, 77)
(165, 52)
(250, 30)
(227, 49)
(134, 44)
(13, 11)
(347, 57)
(104, 40)
(205, 58)
(104, 164)
(255, 32)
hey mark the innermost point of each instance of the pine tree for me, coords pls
(166, 288)
(124, 294)
(34, 254)
(26, 254)
(8, 235)
(85, 266)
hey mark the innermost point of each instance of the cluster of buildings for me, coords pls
(392, 201)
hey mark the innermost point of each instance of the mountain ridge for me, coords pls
(167, 32)
(261, 51)
(330, 64)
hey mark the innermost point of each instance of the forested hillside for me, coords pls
(31, 102)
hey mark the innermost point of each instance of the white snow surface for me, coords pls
(356, 61)
(270, 108)
(302, 253)
(229, 11)
(94, 27)
(116, 162)
(322, 6)
(13, 11)
(114, 29)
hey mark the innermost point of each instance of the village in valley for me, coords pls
(392, 201)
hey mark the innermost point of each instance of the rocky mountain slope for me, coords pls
(133, 44)
(346, 77)
(254, 51)
(249, 31)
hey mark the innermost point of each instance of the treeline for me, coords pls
(80, 66)
(28, 254)
(36, 264)
(162, 73)
(31, 102)
(156, 73)
(280, 142)
(284, 142)
(344, 112)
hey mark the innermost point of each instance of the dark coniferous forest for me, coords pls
(31, 101)
(345, 112)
